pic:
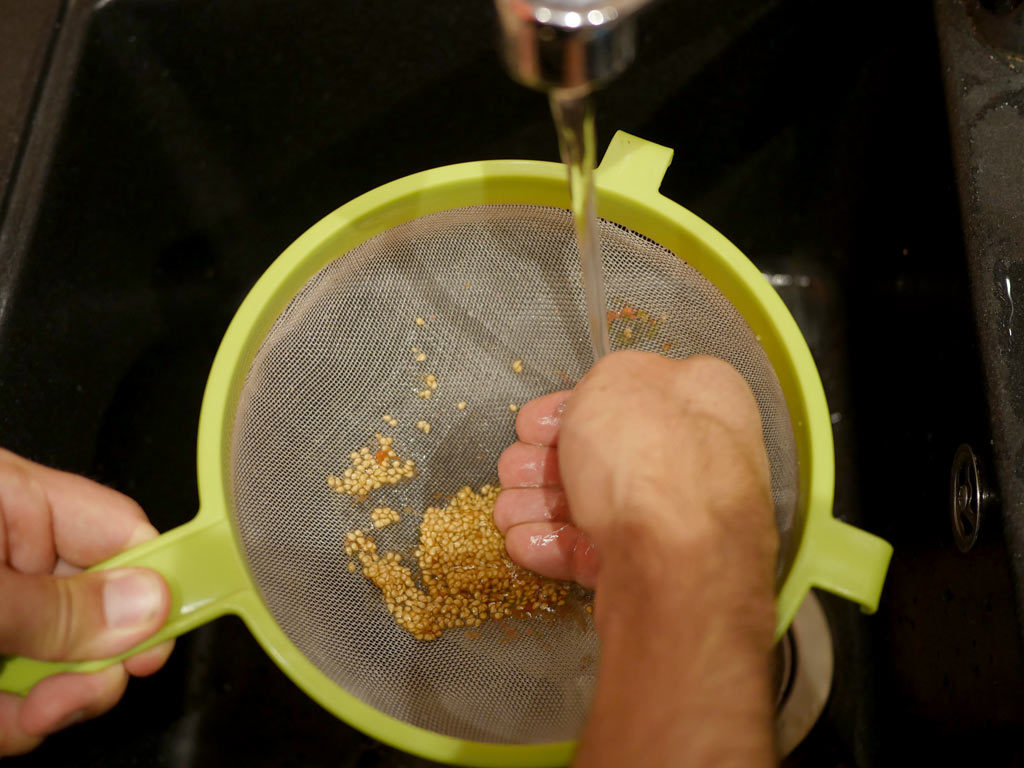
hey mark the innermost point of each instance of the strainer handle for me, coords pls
(852, 563)
(634, 164)
(849, 562)
(201, 564)
(838, 558)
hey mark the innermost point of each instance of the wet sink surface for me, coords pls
(199, 139)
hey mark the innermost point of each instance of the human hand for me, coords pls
(643, 448)
(650, 483)
(53, 525)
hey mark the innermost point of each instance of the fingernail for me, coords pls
(131, 598)
(143, 532)
(555, 418)
(69, 719)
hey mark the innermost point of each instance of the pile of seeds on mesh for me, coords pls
(466, 576)
(382, 517)
(369, 470)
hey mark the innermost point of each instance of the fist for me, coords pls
(644, 448)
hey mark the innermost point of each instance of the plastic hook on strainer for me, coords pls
(320, 349)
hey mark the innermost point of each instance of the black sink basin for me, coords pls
(174, 148)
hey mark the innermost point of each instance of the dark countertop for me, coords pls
(177, 147)
(983, 61)
(25, 38)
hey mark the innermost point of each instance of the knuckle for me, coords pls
(19, 483)
(26, 536)
(62, 629)
(713, 369)
(611, 367)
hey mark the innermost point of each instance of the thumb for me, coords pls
(86, 616)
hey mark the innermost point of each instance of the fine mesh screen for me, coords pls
(494, 284)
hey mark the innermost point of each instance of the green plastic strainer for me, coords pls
(322, 348)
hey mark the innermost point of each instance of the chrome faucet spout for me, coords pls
(571, 45)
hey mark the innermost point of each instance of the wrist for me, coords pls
(686, 642)
(655, 567)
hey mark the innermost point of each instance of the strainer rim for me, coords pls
(621, 200)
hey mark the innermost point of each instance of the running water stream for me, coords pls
(577, 142)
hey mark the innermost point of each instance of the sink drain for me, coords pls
(804, 666)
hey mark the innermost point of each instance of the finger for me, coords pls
(528, 466)
(88, 616)
(149, 661)
(66, 699)
(539, 420)
(89, 522)
(64, 568)
(516, 506)
(556, 550)
(25, 517)
(13, 739)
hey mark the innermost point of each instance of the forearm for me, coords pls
(685, 674)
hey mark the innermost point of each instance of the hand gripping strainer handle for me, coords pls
(200, 562)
